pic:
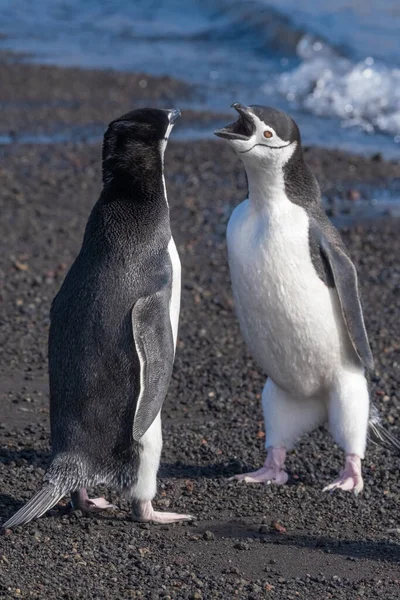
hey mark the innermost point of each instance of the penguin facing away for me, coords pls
(113, 332)
(296, 296)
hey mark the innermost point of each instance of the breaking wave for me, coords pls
(365, 94)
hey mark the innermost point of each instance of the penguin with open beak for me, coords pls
(297, 299)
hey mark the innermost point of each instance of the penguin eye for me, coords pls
(268, 134)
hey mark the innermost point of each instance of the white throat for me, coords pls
(266, 186)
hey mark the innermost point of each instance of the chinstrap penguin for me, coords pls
(113, 332)
(297, 299)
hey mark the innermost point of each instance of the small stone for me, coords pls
(208, 535)
(20, 266)
(242, 546)
(6, 532)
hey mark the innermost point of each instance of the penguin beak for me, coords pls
(173, 115)
(242, 129)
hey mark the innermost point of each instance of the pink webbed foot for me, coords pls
(81, 501)
(350, 478)
(143, 512)
(273, 470)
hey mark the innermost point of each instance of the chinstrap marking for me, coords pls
(265, 146)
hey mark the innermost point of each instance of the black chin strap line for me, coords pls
(266, 146)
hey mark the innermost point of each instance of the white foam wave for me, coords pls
(364, 94)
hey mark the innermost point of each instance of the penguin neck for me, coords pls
(274, 187)
(138, 189)
(266, 187)
(141, 183)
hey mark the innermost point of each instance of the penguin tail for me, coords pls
(46, 498)
(381, 436)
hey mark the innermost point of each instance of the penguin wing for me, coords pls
(153, 338)
(345, 279)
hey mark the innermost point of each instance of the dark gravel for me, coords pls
(71, 104)
(42, 99)
(249, 542)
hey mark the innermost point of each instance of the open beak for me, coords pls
(173, 114)
(242, 129)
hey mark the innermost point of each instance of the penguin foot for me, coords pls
(350, 479)
(81, 501)
(143, 512)
(273, 470)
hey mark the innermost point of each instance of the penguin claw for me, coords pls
(143, 512)
(350, 479)
(81, 501)
(161, 517)
(96, 504)
(347, 484)
(263, 475)
(272, 471)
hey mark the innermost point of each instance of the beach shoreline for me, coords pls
(75, 104)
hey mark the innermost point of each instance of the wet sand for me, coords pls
(249, 541)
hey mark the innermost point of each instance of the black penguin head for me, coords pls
(135, 143)
(262, 134)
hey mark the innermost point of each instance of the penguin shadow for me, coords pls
(181, 471)
(9, 505)
(38, 458)
(13, 458)
(352, 550)
(41, 459)
(224, 471)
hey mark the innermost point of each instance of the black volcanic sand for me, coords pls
(249, 541)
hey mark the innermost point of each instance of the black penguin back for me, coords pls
(94, 367)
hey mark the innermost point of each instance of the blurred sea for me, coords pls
(333, 64)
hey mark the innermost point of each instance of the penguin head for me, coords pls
(136, 141)
(262, 135)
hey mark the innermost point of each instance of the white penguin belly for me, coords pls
(290, 319)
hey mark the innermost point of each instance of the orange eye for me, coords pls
(268, 134)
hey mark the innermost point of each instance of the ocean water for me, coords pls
(334, 65)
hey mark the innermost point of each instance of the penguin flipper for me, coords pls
(41, 502)
(153, 338)
(345, 278)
